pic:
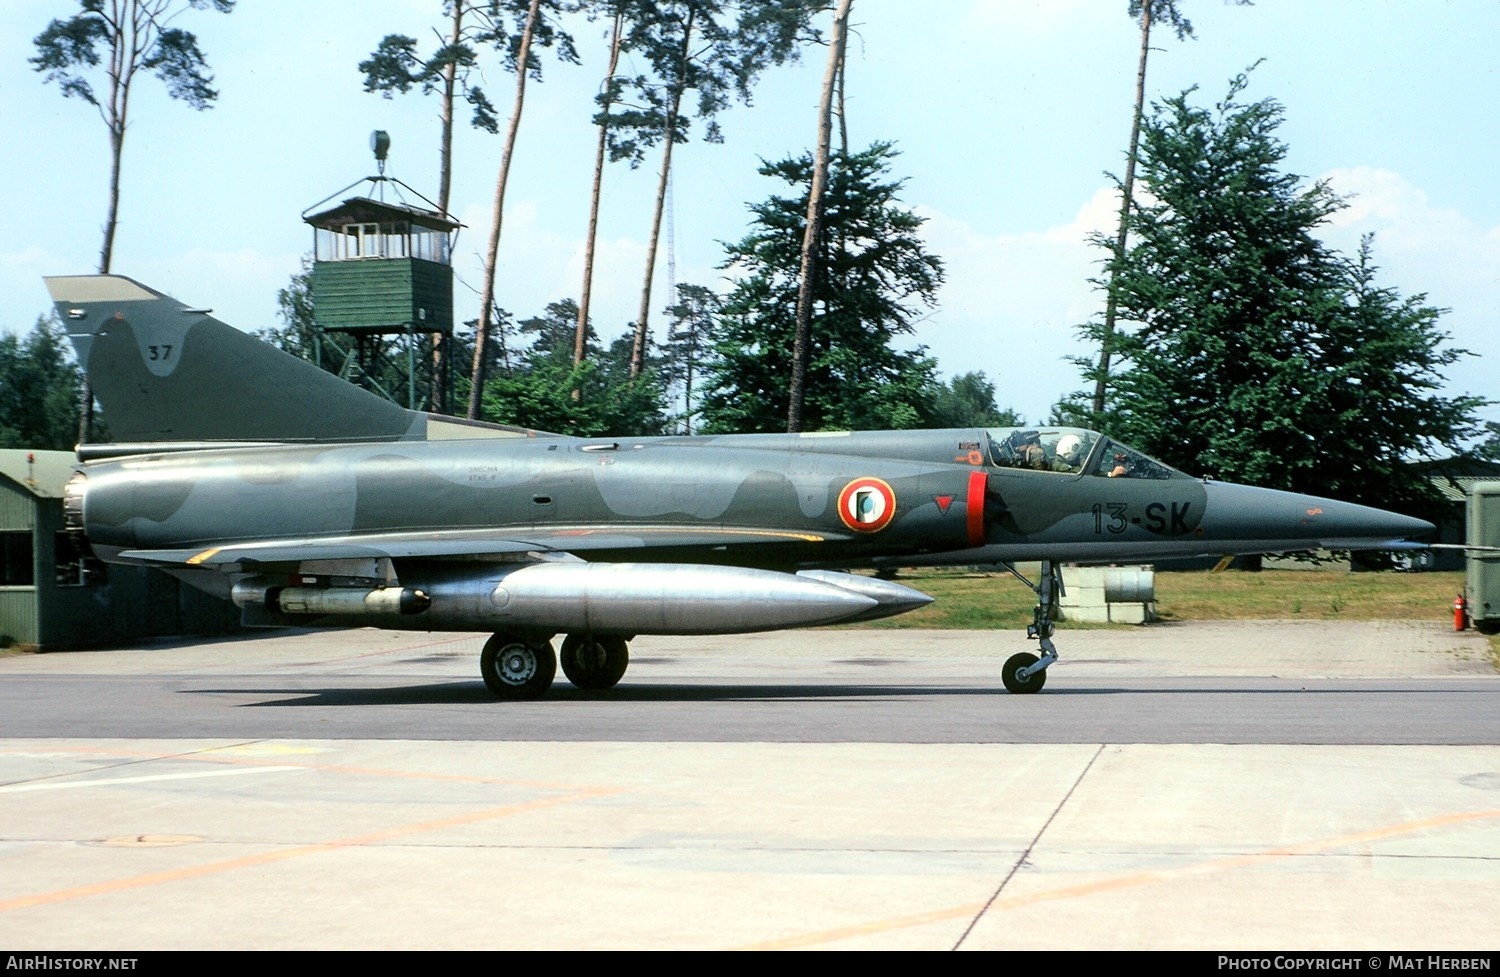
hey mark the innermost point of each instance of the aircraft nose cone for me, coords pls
(1279, 521)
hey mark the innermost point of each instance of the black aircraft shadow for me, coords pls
(474, 692)
(463, 693)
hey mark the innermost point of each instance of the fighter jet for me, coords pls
(308, 501)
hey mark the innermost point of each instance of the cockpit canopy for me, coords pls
(1072, 451)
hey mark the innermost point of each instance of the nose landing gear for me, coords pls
(1024, 672)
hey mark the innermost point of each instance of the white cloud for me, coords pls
(1422, 248)
(1012, 302)
(1100, 215)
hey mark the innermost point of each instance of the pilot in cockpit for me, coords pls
(1069, 453)
(1030, 453)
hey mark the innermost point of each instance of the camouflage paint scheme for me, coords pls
(236, 464)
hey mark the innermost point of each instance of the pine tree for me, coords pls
(129, 37)
(968, 400)
(715, 49)
(534, 26)
(689, 345)
(39, 389)
(874, 278)
(1251, 350)
(1146, 13)
(544, 389)
(452, 71)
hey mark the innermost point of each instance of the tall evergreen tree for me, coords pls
(551, 333)
(1256, 353)
(713, 48)
(609, 92)
(129, 36)
(452, 71)
(874, 278)
(832, 79)
(395, 66)
(968, 400)
(132, 36)
(1146, 13)
(535, 25)
(685, 354)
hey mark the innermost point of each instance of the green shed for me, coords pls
(1482, 577)
(54, 597)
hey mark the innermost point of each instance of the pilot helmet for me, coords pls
(1067, 448)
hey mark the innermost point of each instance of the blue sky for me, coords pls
(1007, 113)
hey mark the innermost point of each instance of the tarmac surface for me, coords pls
(1230, 787)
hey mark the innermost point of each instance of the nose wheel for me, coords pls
(1024, 672)
(1021, 675)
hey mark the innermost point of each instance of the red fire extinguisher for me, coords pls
(1460, 613)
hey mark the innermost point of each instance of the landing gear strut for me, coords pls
(1024, 672)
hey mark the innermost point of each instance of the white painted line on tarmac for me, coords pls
(112, 781)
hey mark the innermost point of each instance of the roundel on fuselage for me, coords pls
(867, 505)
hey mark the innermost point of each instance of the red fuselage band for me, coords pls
(975, 505)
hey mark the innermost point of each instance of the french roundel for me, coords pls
(867, 505)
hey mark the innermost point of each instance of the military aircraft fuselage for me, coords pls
(785, 502)
(306, 500)
(861, 499)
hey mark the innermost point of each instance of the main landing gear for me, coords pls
(1024, 672)
(592, 662)
(523, 666)
(516, 667)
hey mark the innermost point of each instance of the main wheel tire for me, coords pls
(1014, 683)
(594, 662)
(514, 668)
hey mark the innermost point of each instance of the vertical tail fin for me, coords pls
(168, 373)
(165, 372)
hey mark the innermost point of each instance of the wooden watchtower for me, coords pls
(382, 288)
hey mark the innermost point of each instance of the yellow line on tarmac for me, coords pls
(250, 861)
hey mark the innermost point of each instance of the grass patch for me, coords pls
(1326, 595)
(978, 600)
(966, 600)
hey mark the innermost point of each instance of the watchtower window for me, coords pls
(360, 241)
(429, 244)
(398, 239)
